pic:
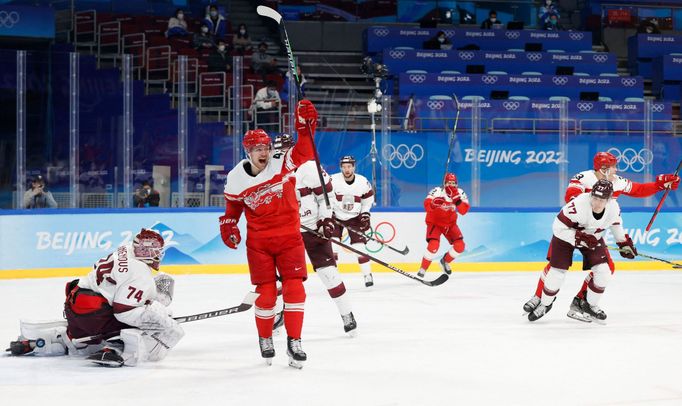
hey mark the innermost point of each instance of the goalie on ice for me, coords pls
(116, 315)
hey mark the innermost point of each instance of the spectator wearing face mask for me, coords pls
(241, 42)
(553, 24)
(546, 11)
(266, 107)
(38, 197)
(440, 41)
(215, 22)
(491, 21)
(219, 60)
(262, 63)
(202, 39)
(177, 26)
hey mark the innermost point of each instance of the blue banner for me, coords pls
(643, 47)
(26, 21)
(379, 37)
(400, 60)
(667, 76)
(538, 86)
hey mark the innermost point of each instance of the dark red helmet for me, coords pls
(347, 159)
(256, 137)
(603, 189)
(602, 159)
(148, 247)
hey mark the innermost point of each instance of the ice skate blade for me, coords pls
(575, 315)
(268, 361)
(295, 364)
(107, 364)
(353, 333)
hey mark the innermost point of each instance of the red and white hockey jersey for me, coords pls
(268, 198)
(351, 199)
(583, 182)
(310, 194)
(577, 215)
(444, 214)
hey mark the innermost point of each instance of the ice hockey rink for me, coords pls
(464, 342)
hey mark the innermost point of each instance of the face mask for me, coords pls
(214, 13)
(242, 32)
(441, 40)
(493, 19)
(181, 16)
(221, 48)
(204, 29)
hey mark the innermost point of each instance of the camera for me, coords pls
(373, 69)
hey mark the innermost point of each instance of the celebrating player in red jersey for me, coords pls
(605, 167)
(442, 205)
(262, 186)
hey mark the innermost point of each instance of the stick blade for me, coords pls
(270, 13)
(438, 281)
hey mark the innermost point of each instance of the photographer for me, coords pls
(146, 196)
(38, 197)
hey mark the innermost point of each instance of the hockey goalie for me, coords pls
(116, 315)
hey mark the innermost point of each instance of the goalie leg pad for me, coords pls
(50, 336)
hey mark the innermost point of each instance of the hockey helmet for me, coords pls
(148, 247)
(347, 159)
(450, 177)
(256, 137)
(603, 189)
(284, 141)
(604, 159)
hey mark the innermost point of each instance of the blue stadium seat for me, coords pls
(516, 50)
(519, 98)
(416, 71)
(634, 99)
(440, 97)
(580, 74)
(587, 51)
(532, 73)
(605, 99)
(560, 98)
(451, 72)
(615, 75)
(473, 97)
(497, 72)
(556, 50)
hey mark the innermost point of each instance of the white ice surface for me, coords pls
(462, 343)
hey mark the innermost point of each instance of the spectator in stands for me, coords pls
(219, 60)
(265, 106)
(284, 94)
(241, 42)
(491, 21)
(262, 63)
(439, 41)
(648, 27)
(202, 39)
(553, 24)
(38, 197)
(546, 11)
(177, 26)
(215, 22)
(146, 196)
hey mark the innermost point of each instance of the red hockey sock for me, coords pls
(265, 308)
(425, 263)
(541, 281)
(449, 258)
(294, 300)
(583, 290)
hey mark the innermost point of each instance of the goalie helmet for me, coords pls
(148, 247)
(347, 159)
(604, 159)
(284, 141)
(603, 189)
(254, 138)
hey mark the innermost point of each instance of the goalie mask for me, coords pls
(450, 184)
(148, 247)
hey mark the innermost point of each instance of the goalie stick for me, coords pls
(245, 305)
(403, 251)
(674, 265)
(660, 203)
(438, 281)
(270, 13)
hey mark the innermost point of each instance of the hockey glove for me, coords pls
(306, 118)
(667, 181)
(229, 232)
(364, 222)
(325, 227)
(584, 240)
(627, 248)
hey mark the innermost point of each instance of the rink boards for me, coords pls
(66, 242)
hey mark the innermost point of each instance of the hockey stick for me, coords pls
(245, 305)
(674, 265)
(452, 137)
(660, 203)
(438, 281)
(404, 251)
(270, 13)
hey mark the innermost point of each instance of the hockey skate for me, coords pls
(267, 349)
(421, 272)
(596, 313)
(24, 347)
(445, 266)
(531, 304)
(107, 357)
(540, 311)
(295, 352)
(576, 312)
(369, 280)
(349, 324)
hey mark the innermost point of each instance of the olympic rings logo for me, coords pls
(417, 78)
(8, 20)
(511, 105)
(513, 34)
(632, 159)
(381, 32)
(396, 54)
(534, 56)
(384, 232)
(600, 58)
(585, 106)
(576, 36)
(449, 33)
(435, 104)
(628, 82)
(489, 80)
(466, 55)
(560, 80)
(657, 107)
(402, 155)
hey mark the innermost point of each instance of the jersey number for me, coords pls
(572, 209)
(137, 296)
(104, 267)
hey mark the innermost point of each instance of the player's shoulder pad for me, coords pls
(435, 191)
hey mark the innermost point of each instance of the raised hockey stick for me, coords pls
(403, 251)
(674, 265)
(438, 281)
(245, 305)
(660, 203)
(452, 137)
(270, 13)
